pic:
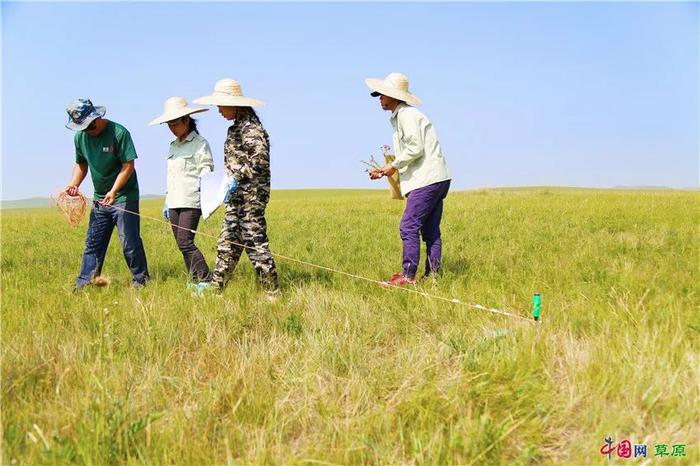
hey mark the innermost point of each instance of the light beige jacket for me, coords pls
(419, 158)
(187, 160)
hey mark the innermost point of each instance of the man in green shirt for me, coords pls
(105, 149)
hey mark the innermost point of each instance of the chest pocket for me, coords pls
(181, 165)
(237, 145)
(399, 141)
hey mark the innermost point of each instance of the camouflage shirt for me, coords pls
(247, 156)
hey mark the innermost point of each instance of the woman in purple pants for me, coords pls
(425, 179)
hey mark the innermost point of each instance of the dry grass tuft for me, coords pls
(100, 281)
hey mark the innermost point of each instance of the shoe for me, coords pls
(273, 295)
(431, 278)
(138, 285)
(79, 288)
(398, 279)
(202, 288)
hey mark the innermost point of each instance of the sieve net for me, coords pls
(73, 208)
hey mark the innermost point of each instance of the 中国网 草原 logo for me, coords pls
(625, 449)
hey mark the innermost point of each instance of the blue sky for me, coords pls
(575, 94)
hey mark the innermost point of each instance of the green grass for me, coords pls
(343, 371)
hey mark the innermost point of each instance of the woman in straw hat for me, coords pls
(247, 162)
(189, 157)
(425, 179)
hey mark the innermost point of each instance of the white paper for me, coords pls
(212, 191)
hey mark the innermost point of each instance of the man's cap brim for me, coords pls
(98, 113)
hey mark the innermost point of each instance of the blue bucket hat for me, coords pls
(81, 112)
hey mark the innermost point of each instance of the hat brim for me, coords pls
(99, 112)
(229, 101)
(378, 88)
(174, 115)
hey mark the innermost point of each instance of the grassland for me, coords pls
(341, 371)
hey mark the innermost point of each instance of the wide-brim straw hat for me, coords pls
(228, 93)
(174, 108)
(394, 85)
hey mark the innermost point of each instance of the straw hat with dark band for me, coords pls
(394, 85)
(174, 108)
(228, 93)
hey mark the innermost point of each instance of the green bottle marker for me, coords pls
(536, 303)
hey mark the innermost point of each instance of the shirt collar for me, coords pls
(188, 138)
(238, 123)
(396, 110)
(241, 120)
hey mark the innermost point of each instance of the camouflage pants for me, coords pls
(244, 225)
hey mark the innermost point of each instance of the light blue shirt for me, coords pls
(187, 160)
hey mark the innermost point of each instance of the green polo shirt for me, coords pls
(105, 155)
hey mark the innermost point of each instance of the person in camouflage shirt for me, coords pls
(247, 160)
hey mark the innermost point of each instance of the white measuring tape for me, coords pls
(348, 274)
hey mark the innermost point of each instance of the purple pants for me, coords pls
(422, 217)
